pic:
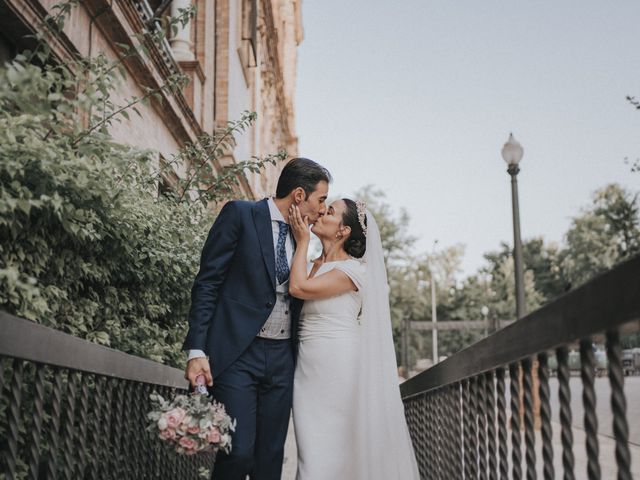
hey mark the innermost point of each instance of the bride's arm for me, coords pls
(330, 284)
(326, 285)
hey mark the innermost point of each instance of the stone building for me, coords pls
(239, 55)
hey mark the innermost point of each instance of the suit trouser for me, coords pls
(257, 391)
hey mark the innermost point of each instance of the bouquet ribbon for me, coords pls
(201, 388)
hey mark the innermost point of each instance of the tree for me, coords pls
(542, 260)
(607, 232)
(394, 228)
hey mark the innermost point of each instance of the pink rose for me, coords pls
(175, 417)
(213, 436)
(188, 443)
(193, 430)
(168, 434)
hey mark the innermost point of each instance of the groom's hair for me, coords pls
(303, 173)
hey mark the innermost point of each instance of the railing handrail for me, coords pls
(23, 339)
(607, 301)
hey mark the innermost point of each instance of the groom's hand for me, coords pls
(299, 226)
(198, 366)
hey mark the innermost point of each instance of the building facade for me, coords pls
(239, 55)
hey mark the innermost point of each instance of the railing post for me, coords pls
(545, 419)
(15, 418)
(501, 403)
(619, 406)
(587, 372)
(516, 452)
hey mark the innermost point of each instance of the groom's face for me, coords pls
(314, 206)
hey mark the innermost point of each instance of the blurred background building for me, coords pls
(238, 54)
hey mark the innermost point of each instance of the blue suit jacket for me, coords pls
(235, 289)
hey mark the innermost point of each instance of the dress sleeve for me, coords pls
(354, 270)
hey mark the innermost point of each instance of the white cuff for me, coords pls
(195, 354)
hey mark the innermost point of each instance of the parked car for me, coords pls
(574, 363)
(631, 361)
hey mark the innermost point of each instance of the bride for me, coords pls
(347, 412)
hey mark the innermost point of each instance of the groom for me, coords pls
(242, 322)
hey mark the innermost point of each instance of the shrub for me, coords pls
(88, 246)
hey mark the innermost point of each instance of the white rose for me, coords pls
(162, 423)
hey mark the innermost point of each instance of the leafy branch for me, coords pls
(172, 82)
(212, 147)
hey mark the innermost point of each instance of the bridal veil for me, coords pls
(387, 452)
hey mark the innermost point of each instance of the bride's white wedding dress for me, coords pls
(348, 416)
(326, 381)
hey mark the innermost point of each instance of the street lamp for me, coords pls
(512, 153)
(405, 343)
(434, 317)
(485, 315)
(434, 309)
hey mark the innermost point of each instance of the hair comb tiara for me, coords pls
(361, 207)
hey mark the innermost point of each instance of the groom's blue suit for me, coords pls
(232, 297)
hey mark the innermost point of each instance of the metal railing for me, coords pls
(467, 415)
(72, 409)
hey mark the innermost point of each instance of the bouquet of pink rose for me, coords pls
(191, 423)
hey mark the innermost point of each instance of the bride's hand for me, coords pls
(299, 226)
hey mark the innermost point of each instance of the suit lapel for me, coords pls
(262, 220)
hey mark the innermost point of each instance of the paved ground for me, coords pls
(603, 405)
(607, 456)
(607, 444)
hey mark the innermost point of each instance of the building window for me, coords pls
(250, 32)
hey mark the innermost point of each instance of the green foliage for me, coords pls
(202, 182)
(88, 246)
(607, 232)
(394, 229)
(543, 261)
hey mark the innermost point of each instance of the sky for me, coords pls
(417, 97)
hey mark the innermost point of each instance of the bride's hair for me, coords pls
(356, 244)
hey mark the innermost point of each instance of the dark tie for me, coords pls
(282, 265)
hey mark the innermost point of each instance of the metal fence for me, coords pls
(485, 412)
(71, 409)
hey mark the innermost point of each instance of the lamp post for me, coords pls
(405, 344)
(405, 339)
(512, 154)
(434, 304)
(485, 315)
(434, 317)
